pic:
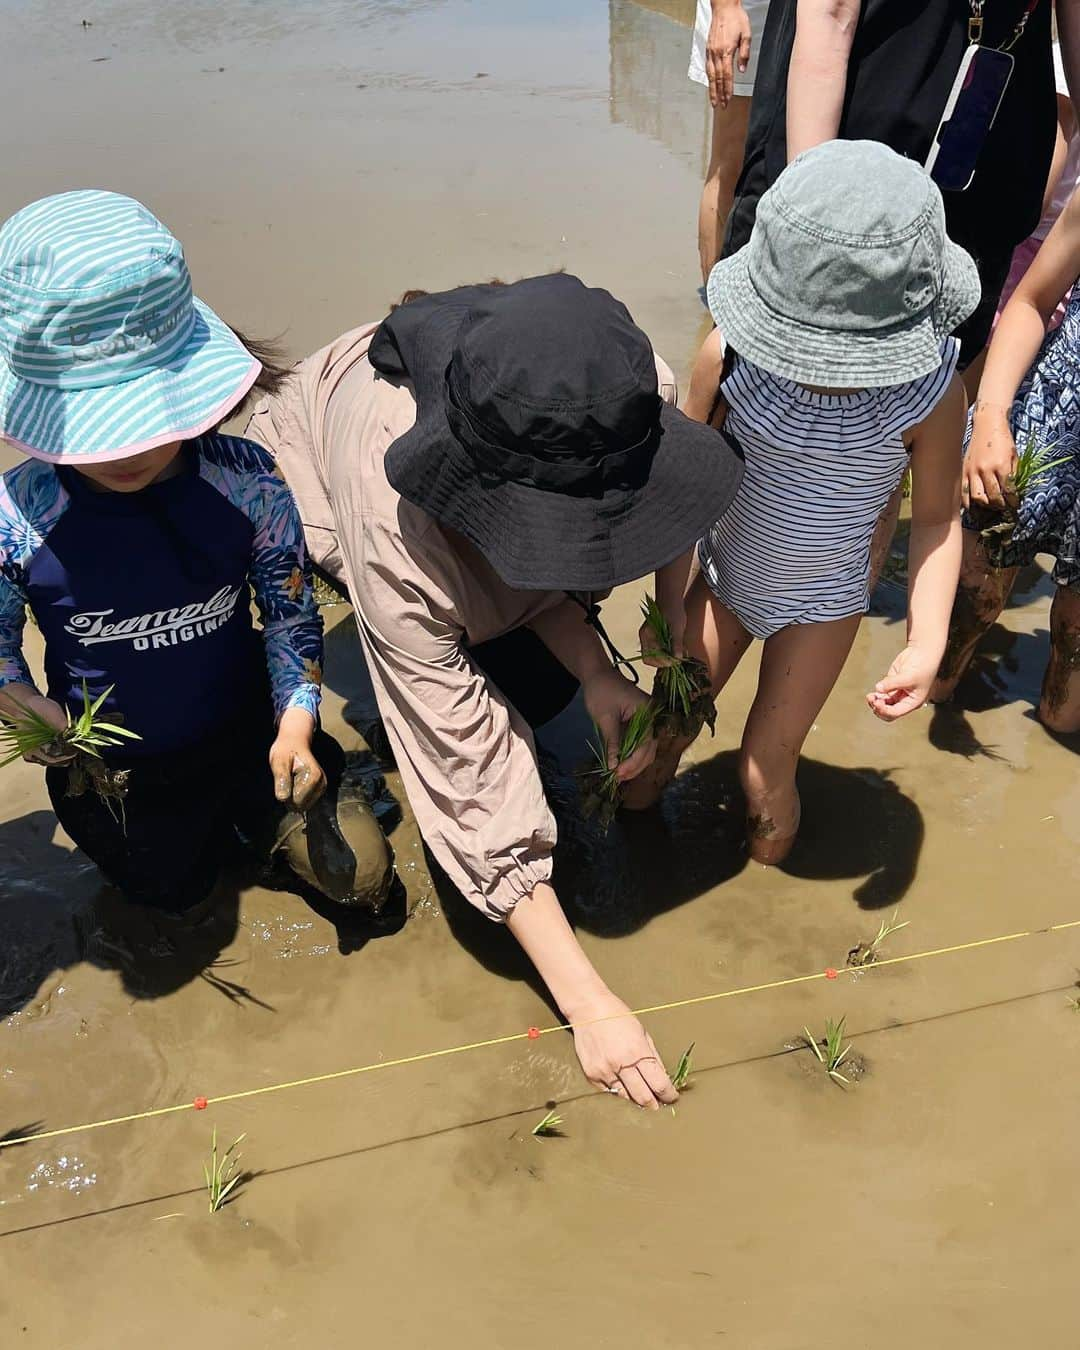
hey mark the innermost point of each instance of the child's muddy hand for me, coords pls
(56, 753)
(298, 777)
(617, 1054)
(990, 460)
(906, 686)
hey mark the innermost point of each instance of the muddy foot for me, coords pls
(770, 841)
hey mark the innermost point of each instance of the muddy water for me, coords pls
(317, 159)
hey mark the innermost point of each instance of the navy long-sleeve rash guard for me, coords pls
(149, 592)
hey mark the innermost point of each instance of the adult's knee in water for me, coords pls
(339, 849)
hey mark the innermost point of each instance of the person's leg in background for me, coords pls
(980, 597)
(1059, 703)
(725, 164)
(726, 38)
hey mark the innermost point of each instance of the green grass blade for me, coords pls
(114, 730)
(95, 707)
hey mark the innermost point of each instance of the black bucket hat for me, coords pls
(541, 437)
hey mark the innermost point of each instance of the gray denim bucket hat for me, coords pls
(849, 280)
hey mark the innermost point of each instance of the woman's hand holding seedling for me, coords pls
(991, 458)
(298, 776)
(612, 701)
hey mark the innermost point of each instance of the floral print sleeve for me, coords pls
(280, 572)
(31, 501)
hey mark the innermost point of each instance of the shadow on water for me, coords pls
(857, 825)
(57, 913)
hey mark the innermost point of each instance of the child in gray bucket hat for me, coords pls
(832, 368)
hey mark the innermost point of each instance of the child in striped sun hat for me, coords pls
(135, 534)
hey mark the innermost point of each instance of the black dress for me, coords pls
(903, 61)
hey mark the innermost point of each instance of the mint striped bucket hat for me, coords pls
(104, 351)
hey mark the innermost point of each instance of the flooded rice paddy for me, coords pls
(317, 159)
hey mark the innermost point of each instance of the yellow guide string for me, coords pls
(524, 1035)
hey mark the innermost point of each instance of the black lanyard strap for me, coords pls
(592, 618)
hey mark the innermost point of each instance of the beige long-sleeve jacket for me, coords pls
(465, 756)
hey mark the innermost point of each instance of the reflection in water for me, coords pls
(650, 92)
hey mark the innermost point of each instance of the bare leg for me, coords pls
(725, 165)
(799, 667)
(715, 636)
(980, 598)
(884, 531)
(1059, 706)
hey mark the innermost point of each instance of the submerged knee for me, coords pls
(339, 848)
(1059, 706)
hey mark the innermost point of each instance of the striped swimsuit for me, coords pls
(794, 547)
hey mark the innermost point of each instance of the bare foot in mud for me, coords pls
(771, 831)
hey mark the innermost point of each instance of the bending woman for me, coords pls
(460, 468)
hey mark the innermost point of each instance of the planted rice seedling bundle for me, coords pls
(831, 1052)
(866, 953)
(681, 689)
(222, 1173)
(81, 742)
(684, 1068)
(548, 1128)
(600, 786)
(996, 528)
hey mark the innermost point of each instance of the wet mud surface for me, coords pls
(317, 160)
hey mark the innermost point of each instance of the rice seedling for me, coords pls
(86, 734)
(1033, 463)
(996, 526)
(548, 1128)
(222, 1173)
(831, 1052)
(600, 786)
(684, 1068)
(866, 953)
(681, 687)
(82, 740)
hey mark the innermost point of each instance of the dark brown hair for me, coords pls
(409, 296)
(275, 370)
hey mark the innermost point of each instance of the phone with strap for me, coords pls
(973, 103)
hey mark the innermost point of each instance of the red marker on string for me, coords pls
(830, 973)
(534, 1033)
(199, 1103)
